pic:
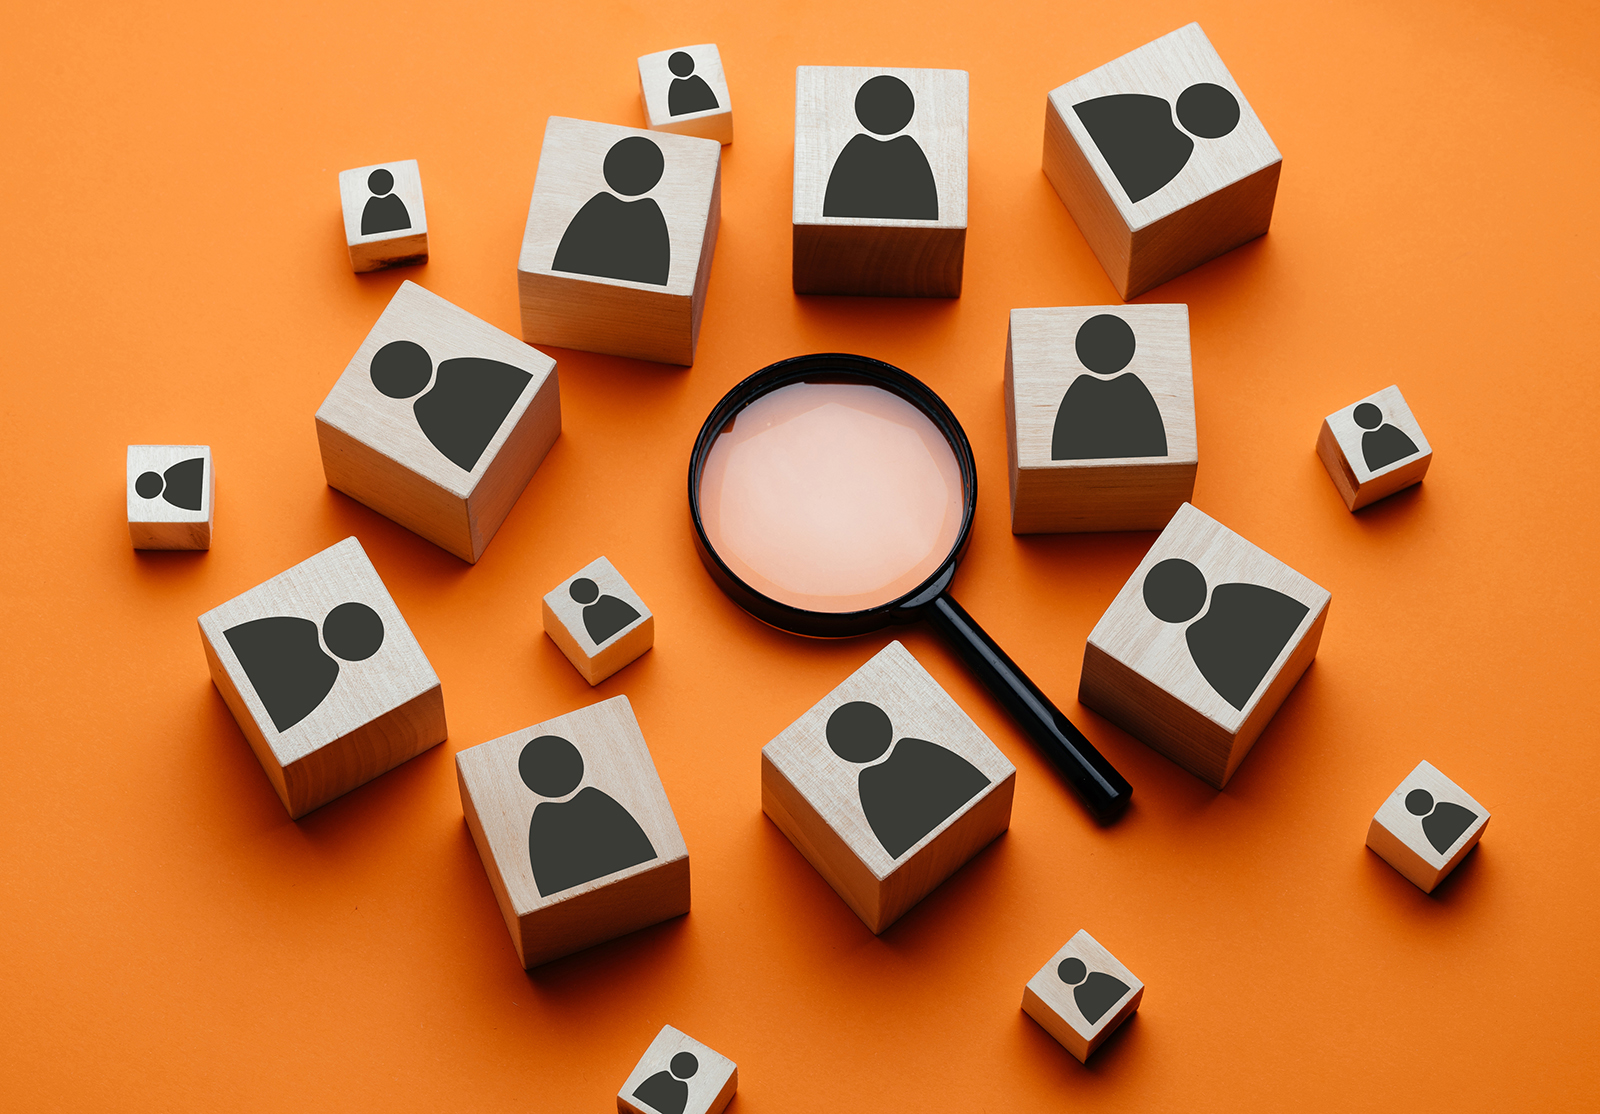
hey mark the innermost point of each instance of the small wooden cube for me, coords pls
(885, 833)
(1099, 417)
(880, 181)
(170, 493)
(439, 421)
(617, 251)
(572, 867)
(598, 620)
(685, 91)
(1160, 160)
(324, 677)
(1373, 448)
(679, 1075)
(1202, 645)
(385, 222)
(1426, 827)
(1082, 995)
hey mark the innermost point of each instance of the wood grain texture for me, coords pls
(384, 249)
(1127, 493)
(1138, 671)
(655, 82)
(711, 1085)
(1222, 197)
(871, 255)
(812, 794)
(1339, 447)
(380, 711)
(155, 523)
(619, 317)
(1049, 1000)
(563, 622)
(374, 450)
(499, 807)
(1398, 837)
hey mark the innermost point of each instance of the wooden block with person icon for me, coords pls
(385, 222)
(616, 254)
(1202, 645)
(439, 421)
(886, 786)
(1160, 160)
(598, 620)
(171, 491)
(575, 831)
(1082, 995)
(678, 1075)
(1373, 448)
(880, 181)
(685, 91)
(1426, 827)
(1100, 431)
(324, 677)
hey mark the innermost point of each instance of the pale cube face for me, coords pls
(1432, 815)
(600, 611)
(685, 83)
(382, 202)
(677, 1067)
(1378, 435)
(1085, 986)
(170, 483)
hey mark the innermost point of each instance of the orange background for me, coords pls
(176, 272)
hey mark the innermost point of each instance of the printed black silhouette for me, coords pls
(1242, 633)
(878, 177)
(603, 616)
(288, 668)
(576, 841)
(182, 485)
(1443, 823)
(469, 401)
(916, 790)
(1382, 444)
(613, 238)
(687, 94)
(1095, 992)
(385, 212)
(1136, 136)
(666, 1091)
(1099, 418)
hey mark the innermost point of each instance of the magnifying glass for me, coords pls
(833, 495)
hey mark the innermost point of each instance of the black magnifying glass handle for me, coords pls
(1104, 791)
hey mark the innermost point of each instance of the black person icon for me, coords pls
(1095, 992)
(1442, 823)
(613, 238)
(576, 841)
(468, 403)
(1136, 136)
(1382, 444)
(1243, 632)
(181, 485)
(688, 91)
(385, 212)
(885, 178)
(286, 664)
(920, 786)
(667, 1091)
(1099, 418)
(603, 616)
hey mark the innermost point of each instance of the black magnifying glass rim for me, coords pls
(833, 367)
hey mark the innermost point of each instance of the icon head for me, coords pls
(685, 1064)
(583, 590)
(1208, 110)
(859, 731)
(681, 63)
(1419, 802)
(353, 631)
(1072, 970)
(633, 165)
(401, 368)
(149, 484)
(1368, 416)
(1105, 344)
(1174, 590)
(380, 181)
(884, 104)
(550, 766)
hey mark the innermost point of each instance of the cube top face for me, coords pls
(1209, 618)
(597, 605)
(880, 146)
(1164, 126)
(170, 483)
(1099, 385)
(435, 389)
(1378, 435)
(683, 84)
(1085, 985)
(620, 206)
(571, 804)
(1432, 816)
(677, 1075)
(859, 752)
(318, 651)
(382, 202)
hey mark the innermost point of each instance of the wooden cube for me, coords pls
(1373, 448)
(1082, 995)
(679, 1075)
(598, 620)
(1160, 160)
(385, 222)
(324, 677)
(885, 833)
(1426, 827)
(880, 181)
(685, 91)
(617, 251)
(439, 421)
(1202, 645)
(170, 494)
(1099, 417)
(570, 866)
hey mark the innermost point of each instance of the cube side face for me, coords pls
(614, 612)
(1086, 197)
(1378, 459)
(1105, 990)
(926, 869)
(179, 510)
(374, 748)
(1211, 226)
(710, 1087)
(821, 846)
(527, 443)
(877, 261)
(573, 312)
(1154, 716)
(376, 480)
(1426, 845)
(661, 90)
(397, 217)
